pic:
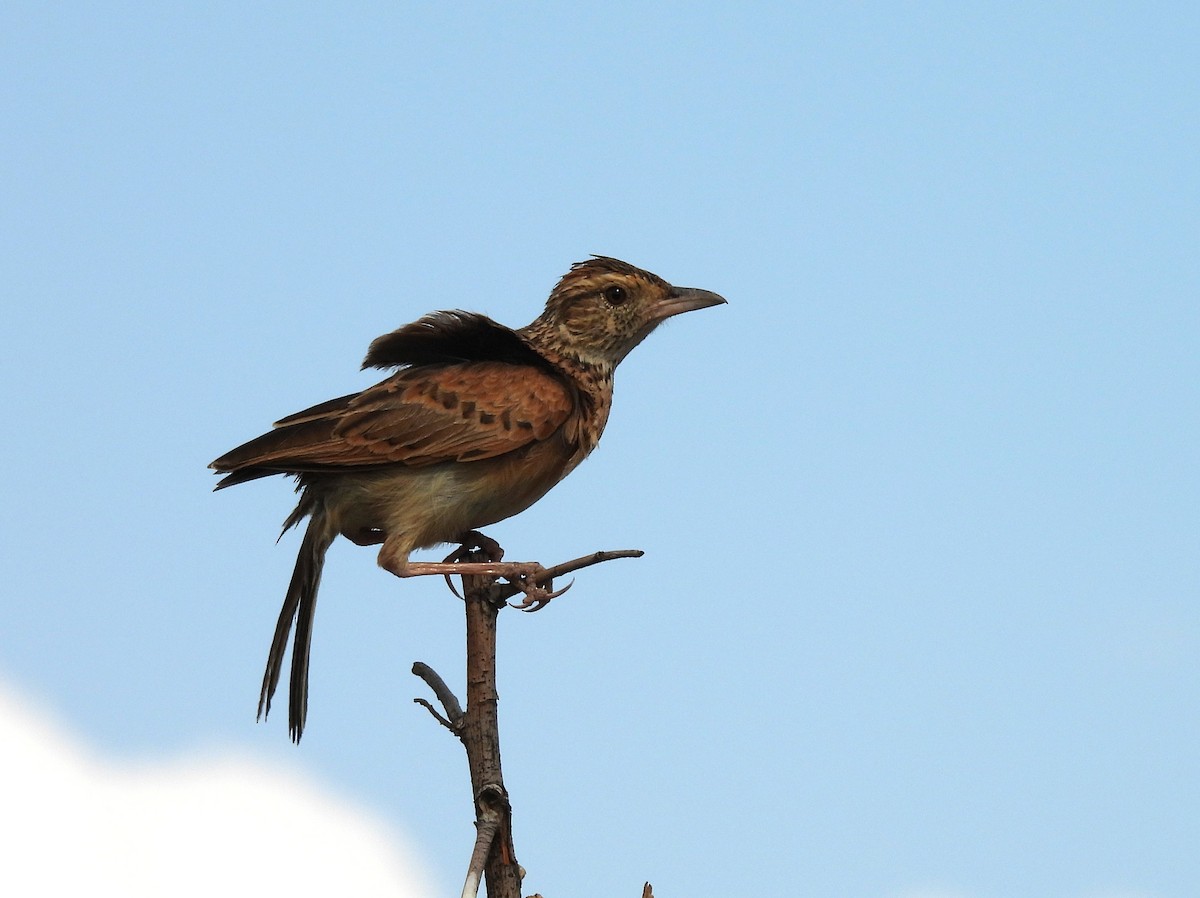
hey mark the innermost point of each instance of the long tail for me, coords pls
(299, 605)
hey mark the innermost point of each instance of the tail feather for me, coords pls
(299, 605)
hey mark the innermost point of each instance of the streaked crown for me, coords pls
(602, 308)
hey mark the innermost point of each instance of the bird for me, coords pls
(477, 422)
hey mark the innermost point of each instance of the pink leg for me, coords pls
(521, 574)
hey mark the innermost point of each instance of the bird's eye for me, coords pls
(615, 295)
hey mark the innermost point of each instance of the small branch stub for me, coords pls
(449, 701)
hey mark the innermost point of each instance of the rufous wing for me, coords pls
(420, 416)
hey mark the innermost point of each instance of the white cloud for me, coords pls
(74, 824)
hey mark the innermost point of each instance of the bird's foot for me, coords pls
(522, 576)
(527, 577)
(471, 544)
(537, 593)
(473, 541)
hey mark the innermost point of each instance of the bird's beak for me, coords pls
(686, 299)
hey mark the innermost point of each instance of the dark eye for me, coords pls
(615, 295)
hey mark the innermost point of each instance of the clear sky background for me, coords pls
(919, 612)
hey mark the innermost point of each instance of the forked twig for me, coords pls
(454, 712)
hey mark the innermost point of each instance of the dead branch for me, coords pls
(493, 856)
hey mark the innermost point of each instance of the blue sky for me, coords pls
(919, 611)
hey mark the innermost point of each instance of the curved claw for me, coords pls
(537, 597)
(456, 555)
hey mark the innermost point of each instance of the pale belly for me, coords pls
(416, 508)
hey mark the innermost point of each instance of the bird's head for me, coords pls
(603, 308)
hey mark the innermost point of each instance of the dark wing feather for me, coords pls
(451, 337)
(320, 410)
(419, 416)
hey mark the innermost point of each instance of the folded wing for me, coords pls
(420, 416)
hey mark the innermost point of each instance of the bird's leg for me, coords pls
(524, 575)
(521, 574)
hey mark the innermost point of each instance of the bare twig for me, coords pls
(448, 699)
(428, 706)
